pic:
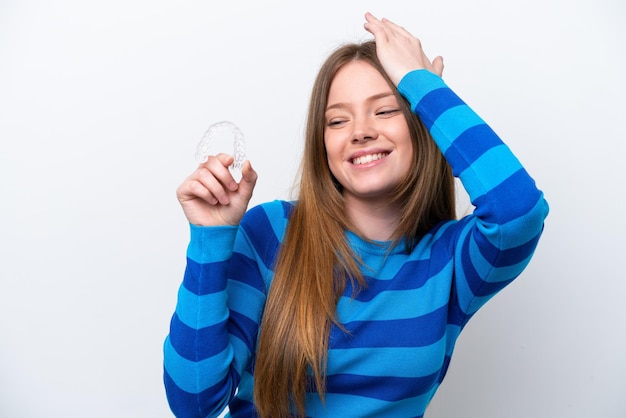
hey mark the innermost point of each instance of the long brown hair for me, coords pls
(315, 259)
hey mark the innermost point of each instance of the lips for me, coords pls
(368, 158)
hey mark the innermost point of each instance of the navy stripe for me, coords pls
(406, 279)
(240, 408)
(516, 196)
(196, 270)
(243, 328)
(437, 102)
(456, 316)
(259, 230)
(386, 388)
(504, 258)
(478, 286)
(288, 208)
(413, 332)
(444, 368)
(185, 404)
(245, 270)
(469, 146)
(197, 345)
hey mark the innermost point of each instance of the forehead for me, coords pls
(357, 81)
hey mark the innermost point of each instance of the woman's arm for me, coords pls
(493, 245)
(496, 242)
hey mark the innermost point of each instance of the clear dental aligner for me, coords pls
(239, 150)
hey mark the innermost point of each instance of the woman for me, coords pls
(349, 301)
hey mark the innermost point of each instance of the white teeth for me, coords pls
(368, 158)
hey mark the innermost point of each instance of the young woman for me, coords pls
(348, 301)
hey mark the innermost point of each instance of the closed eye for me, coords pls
(335, 122)
(387, 112)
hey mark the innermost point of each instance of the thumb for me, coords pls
(438, 65)
(248, 178)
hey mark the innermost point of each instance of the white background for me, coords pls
(103, 103)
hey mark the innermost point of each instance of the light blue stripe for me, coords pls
(245, 390)
(417, 84)
(246, 249)
(489, 170)
(209, 244)
(276, 215)
(465, 294)
(186, 374)
(201, 311)
(521, 230)
(350, 406)
(388, 361)
(452, 123)
(245, 299)
(399, 304)
(452, 333)
(478, 303)
(241, 353)
(484, 268)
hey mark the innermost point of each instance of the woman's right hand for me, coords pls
(210, 196)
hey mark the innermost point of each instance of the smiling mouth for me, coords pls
(364, 159)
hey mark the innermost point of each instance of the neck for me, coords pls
(373, 220)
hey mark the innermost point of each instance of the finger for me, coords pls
(395, 28)
(248, 179)
(374, 26)
(218, 166)
(193, 189)
(438, 65)
(213, 187)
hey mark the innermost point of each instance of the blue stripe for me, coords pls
(499, 266)
(470, 145)
(260, 232)
(397, 304)
(412, 332)
(516, 196)
(490, 170)
(195, 377)
(188, 405)
(477, 284)
(502, 258)
(249, 301)
(351, 406)
(201, 311)
(437, 102)
(386, 388)
(405, 279)
(246, 271)
(211, 243)
(416, 84)
(195, 274)
(451, 124)
(197, 344)
(244, 328)
(384, 361)
(240, 408)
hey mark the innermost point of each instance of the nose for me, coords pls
(363, 131)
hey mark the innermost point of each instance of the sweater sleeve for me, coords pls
(213, 329)
(493, 245)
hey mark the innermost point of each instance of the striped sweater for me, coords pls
(402, 327)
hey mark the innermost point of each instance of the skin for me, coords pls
(210, 196)
(368, 146)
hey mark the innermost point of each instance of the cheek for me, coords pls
(333, 148)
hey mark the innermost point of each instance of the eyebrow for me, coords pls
(369, 99)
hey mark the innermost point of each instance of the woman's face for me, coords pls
(367, 139)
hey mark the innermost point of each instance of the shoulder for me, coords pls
(269, 216)
(274, 210)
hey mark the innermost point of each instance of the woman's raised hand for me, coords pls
(210, 196)
(398, 51)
